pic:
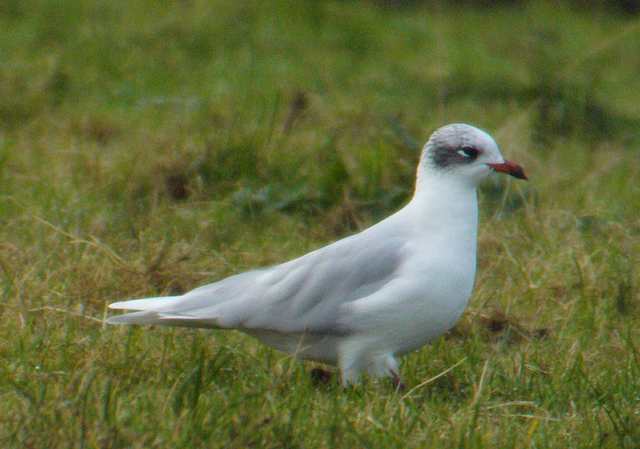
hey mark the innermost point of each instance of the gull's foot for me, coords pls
(320, 376)
(397, 382)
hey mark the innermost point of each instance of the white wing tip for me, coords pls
(118, 305)
(144, 304)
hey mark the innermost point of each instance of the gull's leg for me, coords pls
(394, 370)
(386, 366)
(377, 367)
(351, 360)
(349, 377)
(350, 369)
(397, 383)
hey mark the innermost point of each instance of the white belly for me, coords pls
(320, 348)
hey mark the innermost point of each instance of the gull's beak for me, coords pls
(510, 168)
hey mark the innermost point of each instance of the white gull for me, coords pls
(362, 301)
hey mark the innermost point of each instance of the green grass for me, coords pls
(146, 149)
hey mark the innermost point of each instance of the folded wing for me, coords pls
(307, 294)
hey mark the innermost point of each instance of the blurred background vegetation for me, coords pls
(147, 147)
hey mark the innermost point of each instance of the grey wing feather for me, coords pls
(303, 295)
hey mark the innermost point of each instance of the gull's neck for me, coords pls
(444, 202)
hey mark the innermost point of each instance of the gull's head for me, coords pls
(464, 152)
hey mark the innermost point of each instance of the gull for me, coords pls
(365, 300)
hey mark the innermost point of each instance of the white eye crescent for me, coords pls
(468, 152)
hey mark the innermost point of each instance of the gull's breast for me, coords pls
(443, 285)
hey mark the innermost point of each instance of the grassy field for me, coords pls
(146, 149)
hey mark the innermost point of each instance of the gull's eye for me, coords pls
(468, 152)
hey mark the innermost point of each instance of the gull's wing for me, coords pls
(306, 294)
